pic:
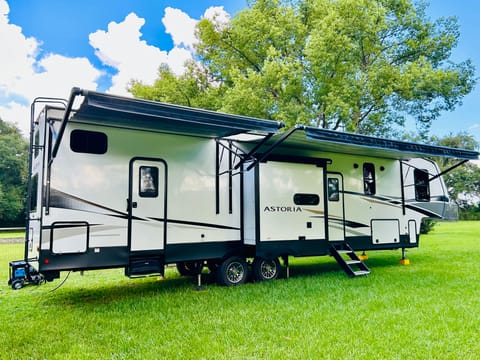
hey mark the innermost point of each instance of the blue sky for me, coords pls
(53, 45)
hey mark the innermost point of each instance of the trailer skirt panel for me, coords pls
(93, 258)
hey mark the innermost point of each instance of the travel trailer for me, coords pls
(118, 182)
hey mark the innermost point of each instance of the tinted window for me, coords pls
(90, 142)
(34, 193)
(36, 141)
(306, 199)
(333, 189)
(148, 181)
(369, 185)
(422, 185)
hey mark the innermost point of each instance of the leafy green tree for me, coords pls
(359, 65)
(13, 175)
(463, 183)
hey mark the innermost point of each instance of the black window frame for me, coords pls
(34, 193)
(422, 185)
(333, 193)
(369, 179)
(304, 199)
(154, 173)
(88, 142)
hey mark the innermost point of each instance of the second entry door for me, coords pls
(147, 204)
(336, 214)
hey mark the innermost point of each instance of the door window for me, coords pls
(148, 181)
(333, 189)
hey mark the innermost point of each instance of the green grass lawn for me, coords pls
(12, 234)
(427, 310)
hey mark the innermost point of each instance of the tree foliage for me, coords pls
(359, 65)
(13, 174)
(463, 183)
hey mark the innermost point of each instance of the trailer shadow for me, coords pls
(110, 293)
(84, 294)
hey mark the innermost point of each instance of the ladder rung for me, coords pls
(344, 251)
(361, 272)
(352, 262)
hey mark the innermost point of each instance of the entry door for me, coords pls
(147, 204)
(336, 214)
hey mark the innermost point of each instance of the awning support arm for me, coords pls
(246, 157)
(73, 94)
(447, 170)
(273, 146)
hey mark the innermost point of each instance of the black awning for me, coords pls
(345, 142)
(308, 140)
(111, 110)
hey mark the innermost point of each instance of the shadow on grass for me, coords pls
(97, 292)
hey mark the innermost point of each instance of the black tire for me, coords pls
(264, 270)
(17, 284)
(233, 271)
(190, 268)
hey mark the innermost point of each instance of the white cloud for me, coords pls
(25, 74)
(17, 114)
(21, 53)
(180, 26)
(218, 16)
(122, 48)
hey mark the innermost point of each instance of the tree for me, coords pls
(359, 65)
(13, 175)
(463, 183)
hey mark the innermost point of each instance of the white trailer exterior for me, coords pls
(120, 182)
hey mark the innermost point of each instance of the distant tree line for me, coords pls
(13, 175)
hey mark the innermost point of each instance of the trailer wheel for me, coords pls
(233, 271)
(190, 268)
(264, 269)
(17, 284)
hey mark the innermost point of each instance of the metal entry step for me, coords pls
(348, 260)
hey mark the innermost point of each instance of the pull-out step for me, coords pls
(348, 260)
(145, 265)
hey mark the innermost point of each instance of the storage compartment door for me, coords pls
(385, 231)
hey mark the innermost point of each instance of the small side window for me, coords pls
(34, 193)
(306, 199)
(369, 185)
(333, 190)
(36, 142)
(422, 185)
(148, 181)
(89, 142)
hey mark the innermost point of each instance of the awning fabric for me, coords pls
(111, 110)
(313, 140)
(118, 111)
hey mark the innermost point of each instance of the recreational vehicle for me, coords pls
(118, 182)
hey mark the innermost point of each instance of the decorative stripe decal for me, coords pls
(63, 200)
(193, 223)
